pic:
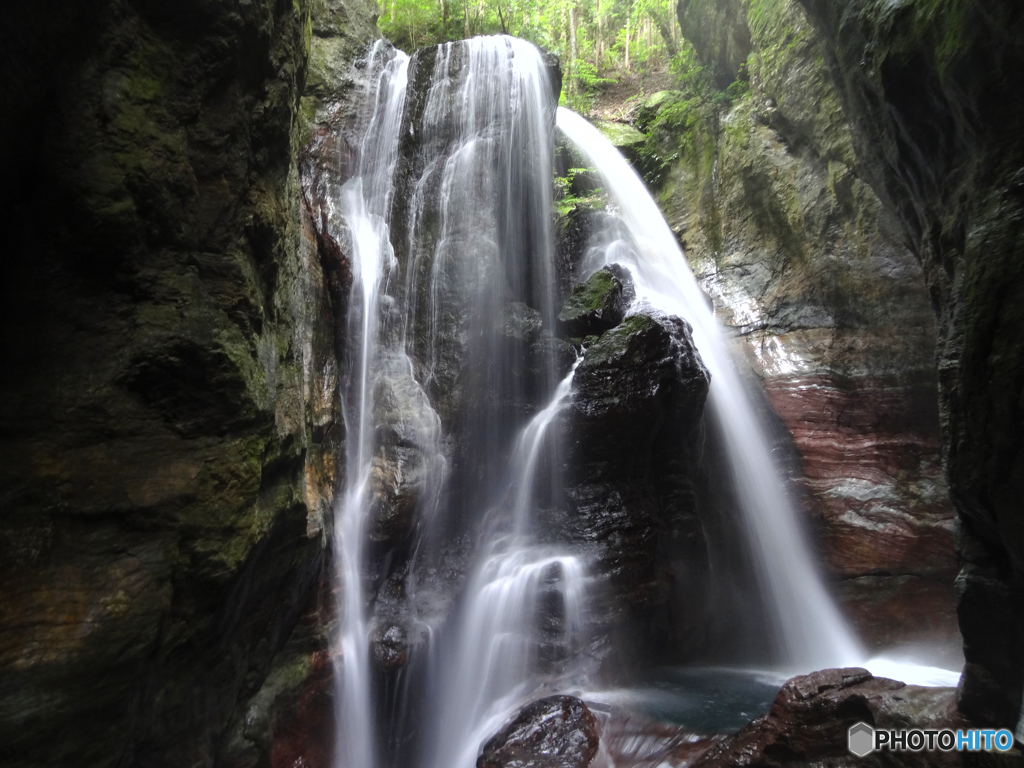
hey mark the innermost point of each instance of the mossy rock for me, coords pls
(598, 304)
(622, 135)
(652, 106)
(637, 375)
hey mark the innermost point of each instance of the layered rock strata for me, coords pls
(810, 271)
(930, 90)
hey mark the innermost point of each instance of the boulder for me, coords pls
(623, 136)
(599, 304)
(555, 732)
(637, 395)
(809, 720)
(628, 377)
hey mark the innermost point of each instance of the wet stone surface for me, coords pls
(555, 732)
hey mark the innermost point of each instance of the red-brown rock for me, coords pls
(809, 720)
(870, 458)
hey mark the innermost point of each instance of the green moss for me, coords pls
(620, 135)
(620, 342)
(590, 296)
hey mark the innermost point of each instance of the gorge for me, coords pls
(296, 353)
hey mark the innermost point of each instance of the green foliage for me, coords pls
(582, 82)
(570, 192)
(684, 123)
(589, 36)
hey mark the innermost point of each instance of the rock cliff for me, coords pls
(810, 271)
(931, 90)
(908, 111)
(170, 426)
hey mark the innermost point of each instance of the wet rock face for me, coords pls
(810, 271)
(931, 97)
(289, 720)
(719, 30)
(630, 377)
(169, 418)
(556, 732)
(870, 461)
(598, 304)
(637, 395)
(809, 720)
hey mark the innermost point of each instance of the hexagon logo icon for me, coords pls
(861, 739)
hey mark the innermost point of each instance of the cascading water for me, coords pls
(364, 202)
(482, 173)
(809, 630)
(523, 613)
(453, 406)
(517, 586)
(474, 148)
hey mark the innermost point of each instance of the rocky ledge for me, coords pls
(809, 720)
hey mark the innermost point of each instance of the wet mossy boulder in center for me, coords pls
(599, 304)
(628, 376)
(555, 732)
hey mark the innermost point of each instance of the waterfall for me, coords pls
(455, 395)
(479, 251)
(524, 602)
(808, 629)
(365, 203)
(447, 272)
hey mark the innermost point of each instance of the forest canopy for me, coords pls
(596, 40)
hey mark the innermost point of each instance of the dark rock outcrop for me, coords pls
(809, 720)
(289, 720)
(556, 732)
(637, 397)
(719, 31)
(169, 412)
(628, 379)
(598, 304)
(932, 94)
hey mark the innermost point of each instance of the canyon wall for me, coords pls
(908, 112)
(811, 274)
(932, 92)
(171, 434)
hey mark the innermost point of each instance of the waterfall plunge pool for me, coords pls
(704, 700)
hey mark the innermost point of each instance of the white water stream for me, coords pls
(365, 202)
(480, 172)
(494, 664)
(809, 630)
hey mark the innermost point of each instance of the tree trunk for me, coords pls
(664, 27)
(627, 41)
(564, 27)
(573, 49)
(574, 84)
(599, 43)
